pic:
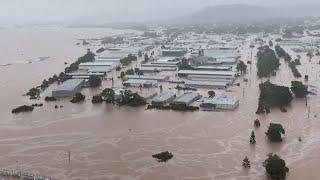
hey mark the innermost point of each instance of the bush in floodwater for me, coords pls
(163, 156)
(97, 99)
(78, 98)
(47, 98)
(23, 108)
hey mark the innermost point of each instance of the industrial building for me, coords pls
(140, 83)
(148, 95)
(206, 84)
(173, 52)
(88, 65)
(219, 102)
(185, 73)
(214, 68)
(159, 65)
(68, 89)
(163, 98)
(146, 77)
(156, 69)
(107, 59)
(188, 98)
(166, 62)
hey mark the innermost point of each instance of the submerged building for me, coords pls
(219, 102)
(188, 98)
(173, 52)
(68, 89)
(164, 98)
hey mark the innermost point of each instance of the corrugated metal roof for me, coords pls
(198, 72)
(222, 100)
(69, 85)
(164, 96)
(146, 77)
(188, 98)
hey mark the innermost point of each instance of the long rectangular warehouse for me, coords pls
(159, 65)
(140, 83)
(68, 88)
(146, 77)
(184, 73)
(206, 84)
(214, 68)
(87, 65)
(163, 98)
(188, 98)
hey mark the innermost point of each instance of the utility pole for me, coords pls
(69, 156)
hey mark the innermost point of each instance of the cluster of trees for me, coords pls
(274, 165)
(49, 98)
(96, 99)
(108, 95)
(34, 93)
(282, 53)
(292, 64)
(131, 72)
(272, 95)
(296, 73)
(95, 81)
(267, 62)
(299, 89)
(128, 60)
(127, 98)
(23, 108)
(241, 67)
(130, 98)
(78, 98)
(88, 57)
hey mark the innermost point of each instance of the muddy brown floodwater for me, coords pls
(108, 142)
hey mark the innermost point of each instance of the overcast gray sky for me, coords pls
(33, 11)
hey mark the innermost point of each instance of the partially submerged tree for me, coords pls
(95, 81)
(246, 163)
(241, 67)
(272, 95)
(275, 167)
(275, 132)
(299, 89)
(256, 123)
(163, 156)
(252, 138)
(211, 94)
(108, 95)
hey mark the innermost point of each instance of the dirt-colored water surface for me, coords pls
(109, 142)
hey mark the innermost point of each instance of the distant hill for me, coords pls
(247, 13)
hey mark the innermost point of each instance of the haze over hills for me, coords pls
(247, 13)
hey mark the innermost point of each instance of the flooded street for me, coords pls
(110, 142)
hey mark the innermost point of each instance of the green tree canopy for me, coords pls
(276, 167)
(299, 89)
(275, 132)
(95, 81)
